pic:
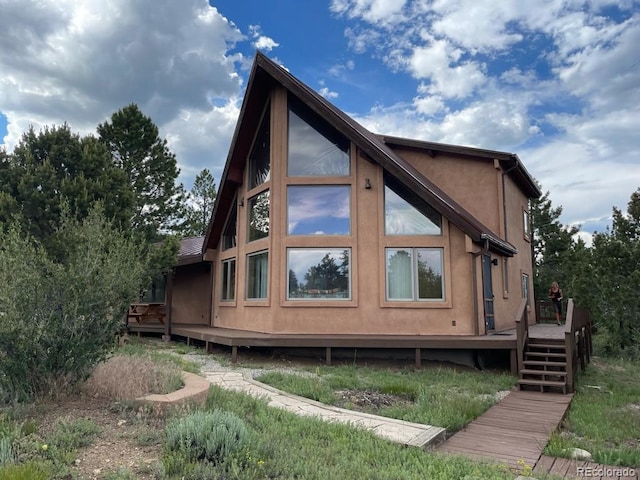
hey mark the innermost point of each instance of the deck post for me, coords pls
(234, 354)
(168, 302)
(328, 356)
(513, 360)
(418, 357)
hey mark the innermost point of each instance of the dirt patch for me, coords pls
(128, 438)
(368, 400)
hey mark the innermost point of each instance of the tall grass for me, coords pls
(604, 417)
(126, 377)
(283, 445)
(447, 397)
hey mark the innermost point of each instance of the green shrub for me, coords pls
(25, 471)
(68, 436)
(209, 436)
(59, 317)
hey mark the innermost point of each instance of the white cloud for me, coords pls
(261, 42)
(265, 43)
(555, 81)
(80, 61)
(373, 11)
(327, 93)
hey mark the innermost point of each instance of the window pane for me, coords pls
(315, 147)
(319, 274)
(259, 165)
(229, 280)
(259, 216)
(399, 274)
(430, 274)
(257, 275)
(319, 210)
(229, 238)
(402, 218)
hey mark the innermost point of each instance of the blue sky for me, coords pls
(555, 81)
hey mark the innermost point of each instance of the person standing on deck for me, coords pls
(555, 295)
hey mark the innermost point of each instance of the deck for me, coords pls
(243, 338)
(514, 431)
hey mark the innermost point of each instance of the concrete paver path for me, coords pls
(398, 431)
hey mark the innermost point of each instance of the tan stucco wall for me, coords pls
(191, 294)
(475, 184)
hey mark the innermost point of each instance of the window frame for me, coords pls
(256, 300)
(406, 197)
(332, 301)
(249, 216)
(290, 186)
(308, 116)
(224, 281)
(415, 285)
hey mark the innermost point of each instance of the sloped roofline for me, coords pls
(264, 75)
(510, 162)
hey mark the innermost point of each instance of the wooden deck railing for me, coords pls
(546, 312)
(522, 332)
(577, 339)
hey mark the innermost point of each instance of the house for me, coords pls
(323, 228)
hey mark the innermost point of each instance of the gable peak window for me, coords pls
(406, 214)
(315, 147)
(230, 235)
(259, 159)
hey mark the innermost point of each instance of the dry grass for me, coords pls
(126, 377)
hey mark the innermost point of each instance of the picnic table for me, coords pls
(144, 312)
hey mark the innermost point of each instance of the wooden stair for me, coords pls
(544, 366)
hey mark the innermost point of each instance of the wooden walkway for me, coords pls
(513, 431)
(565, 468)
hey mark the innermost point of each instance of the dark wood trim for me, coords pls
(169, 303)
(244, 338)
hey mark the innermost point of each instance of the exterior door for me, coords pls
(487, 288)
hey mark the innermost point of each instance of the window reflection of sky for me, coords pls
(311, 153)
(318, 210)
(300, 260)
(402, 218)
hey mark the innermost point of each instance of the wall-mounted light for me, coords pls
(367, 184)
(494, 262)
(241, 202)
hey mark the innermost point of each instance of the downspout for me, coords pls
(476, 310)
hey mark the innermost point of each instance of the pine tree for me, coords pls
(612, 294)
(56, 167)
(199, 205)
(151, 169)
(553, 245)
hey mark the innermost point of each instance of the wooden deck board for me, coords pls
(516, 429)
(573, 469)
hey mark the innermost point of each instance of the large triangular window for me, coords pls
(259, 164)
(407, 214)
(315, 147)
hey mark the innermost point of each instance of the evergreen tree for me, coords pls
(199, 205)
(612, 289)
(151, 168)
(553, 245)
(56, 167)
